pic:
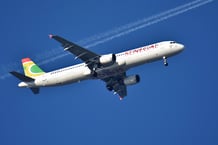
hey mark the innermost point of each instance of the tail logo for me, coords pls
(31, 69)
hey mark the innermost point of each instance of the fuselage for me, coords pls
(124, 61)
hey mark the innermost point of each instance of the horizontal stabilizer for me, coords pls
(21, 77)
(35, 90)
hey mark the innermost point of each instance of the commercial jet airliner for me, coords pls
(110, 68)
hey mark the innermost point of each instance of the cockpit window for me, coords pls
(172, 42)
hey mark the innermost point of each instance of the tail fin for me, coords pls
(31, 69)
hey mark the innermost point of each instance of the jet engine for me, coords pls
(131, 80)
(107, 59)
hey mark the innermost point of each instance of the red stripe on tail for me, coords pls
(25, 60)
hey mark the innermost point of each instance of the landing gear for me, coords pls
(165, 61)
(94, 74)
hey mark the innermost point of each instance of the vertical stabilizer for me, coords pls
(31, 69)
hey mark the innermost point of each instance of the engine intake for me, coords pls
(107, 59)
(131, 80)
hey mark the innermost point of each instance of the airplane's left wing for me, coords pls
(116, 84)
(85, 55)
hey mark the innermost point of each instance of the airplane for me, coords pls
(110, 68)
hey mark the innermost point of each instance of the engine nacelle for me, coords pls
(107, 59)
(131, 80)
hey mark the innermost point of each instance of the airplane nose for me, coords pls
(180, 47)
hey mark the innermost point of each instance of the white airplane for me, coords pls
(111, 68)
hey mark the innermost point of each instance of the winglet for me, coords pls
(50, 36)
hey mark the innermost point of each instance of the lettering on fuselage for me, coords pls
(141, 49)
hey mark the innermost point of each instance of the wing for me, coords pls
(90, 58)
(116, 84)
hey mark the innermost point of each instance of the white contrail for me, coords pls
(134, 24)
(153, 20)
(117, 32)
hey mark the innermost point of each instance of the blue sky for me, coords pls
(173, 105)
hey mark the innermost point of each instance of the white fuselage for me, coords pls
(124, 61)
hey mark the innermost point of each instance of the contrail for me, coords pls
(114, 33)
(153, 20)
(134, 24)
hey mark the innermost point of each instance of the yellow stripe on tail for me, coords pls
(31, 69)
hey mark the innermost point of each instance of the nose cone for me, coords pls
(180, 47)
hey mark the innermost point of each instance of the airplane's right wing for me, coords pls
(116, 84)
(85, 55)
